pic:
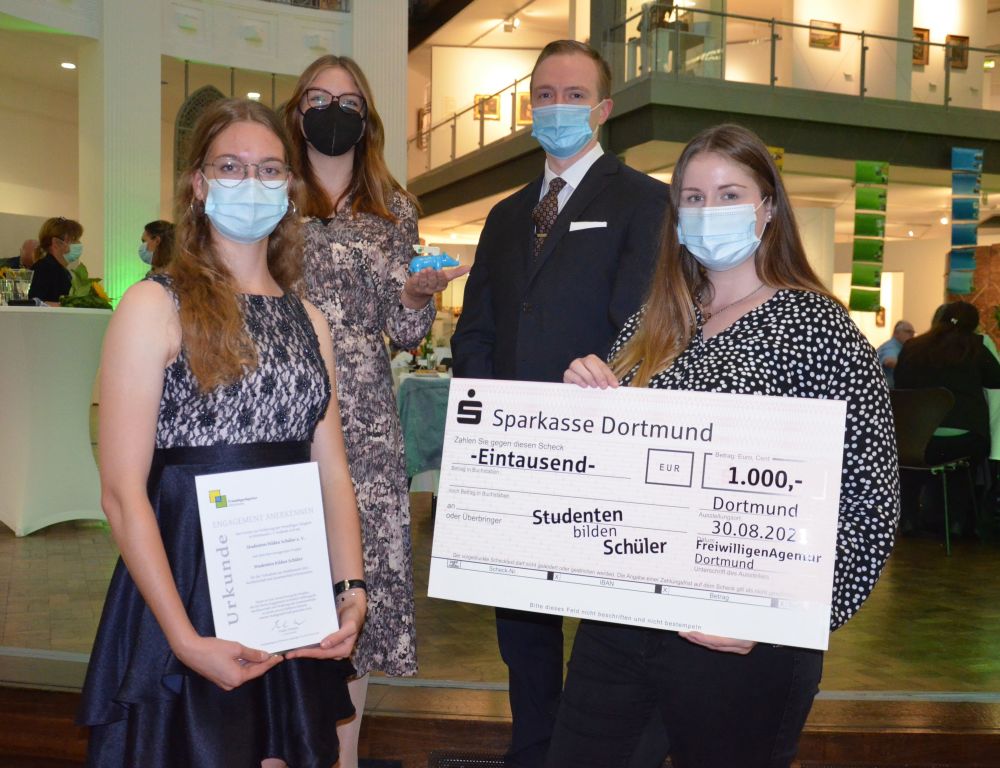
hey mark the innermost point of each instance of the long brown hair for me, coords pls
(164, 231)
(372, 186)
(214, 336)
(668, 321)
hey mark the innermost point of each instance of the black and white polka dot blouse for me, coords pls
(803, 344)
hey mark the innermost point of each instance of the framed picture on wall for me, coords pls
(824, 34)
(487, 107)
(524, 108)
(958, 51)
(921, 51)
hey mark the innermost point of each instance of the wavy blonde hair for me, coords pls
(214, 336)
(372, 186)
(668, 321)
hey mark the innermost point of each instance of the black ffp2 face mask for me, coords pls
(332, 131)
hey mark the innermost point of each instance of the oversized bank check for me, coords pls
(673, 510)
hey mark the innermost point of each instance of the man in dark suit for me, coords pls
(560, 266)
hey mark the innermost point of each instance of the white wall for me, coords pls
(269, 37)
(816, 228)
(991, 79)
(418, 93)
(458, 75)
(892, 300)
(77, 17)
(922, 263)
(839, 71)
(38, 130)
(750, 62)
(15, 229)
(955, 17)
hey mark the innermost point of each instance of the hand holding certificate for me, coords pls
(266, 556)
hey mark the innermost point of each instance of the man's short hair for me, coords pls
(564, 47)
(899, 324)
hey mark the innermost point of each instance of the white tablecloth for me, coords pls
(47, 470)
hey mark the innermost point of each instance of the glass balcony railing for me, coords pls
(322, 5)
(493, 117)
(665, 41)
(687, 43)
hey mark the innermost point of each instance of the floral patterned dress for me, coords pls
(355, 269)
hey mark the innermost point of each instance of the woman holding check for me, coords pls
(216, 365)
(734, 307)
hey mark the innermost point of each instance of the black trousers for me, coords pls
(531, 645)
(720, 710)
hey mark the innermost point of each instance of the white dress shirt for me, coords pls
(572, 175)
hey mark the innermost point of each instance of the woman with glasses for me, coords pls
(359, 236)
(59, 250)
(215, 364)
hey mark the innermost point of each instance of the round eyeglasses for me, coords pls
(318, 98)
(230, 172)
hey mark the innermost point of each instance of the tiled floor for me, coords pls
(932, 624)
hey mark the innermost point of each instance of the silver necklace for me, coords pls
(709, 315)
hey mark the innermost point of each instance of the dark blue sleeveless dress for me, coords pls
(144, 707)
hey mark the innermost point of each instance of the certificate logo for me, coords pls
(216, 498)
(470, 411)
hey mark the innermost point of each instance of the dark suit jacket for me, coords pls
(528, 320)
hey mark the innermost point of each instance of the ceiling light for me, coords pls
(68, 65)
(989, 64)
(909, 233)
(509, 25)
(453, 236)
(944, 219)
(253, 96)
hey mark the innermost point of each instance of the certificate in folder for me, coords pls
(266, 556)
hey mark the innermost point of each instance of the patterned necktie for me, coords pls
(545, 213)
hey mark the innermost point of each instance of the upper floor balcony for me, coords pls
(738, 64)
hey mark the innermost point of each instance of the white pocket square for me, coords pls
(575, 225)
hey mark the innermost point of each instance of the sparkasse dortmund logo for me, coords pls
(469, 411)
(216, 498)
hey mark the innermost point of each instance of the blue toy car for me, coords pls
(431, 256)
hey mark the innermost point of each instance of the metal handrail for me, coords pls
(344, 6)
(777, 30)
(453, 119)
(862, 35)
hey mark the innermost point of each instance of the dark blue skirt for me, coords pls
(145, 708)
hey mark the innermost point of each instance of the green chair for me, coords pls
(917, 413)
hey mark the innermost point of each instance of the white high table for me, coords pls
(48, 361)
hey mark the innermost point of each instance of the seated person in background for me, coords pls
(59, 250)
(888, 353)
(951, 355)
(157, 244)
(23, 260)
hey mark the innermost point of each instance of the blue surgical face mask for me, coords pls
(720, 237)
(75, 252)
(145, 254)
(562, 129)
(247, 212)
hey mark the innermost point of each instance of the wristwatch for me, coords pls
(346, 584)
